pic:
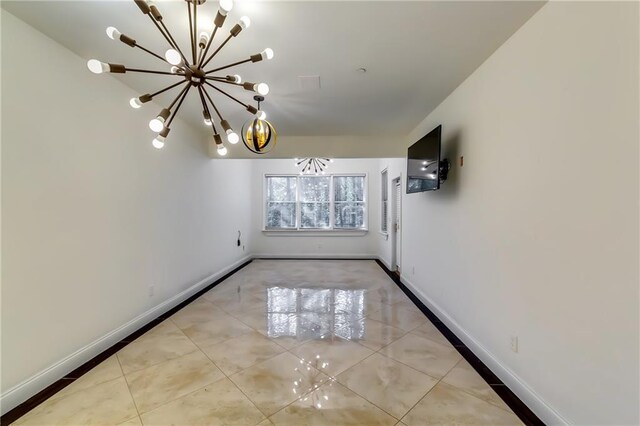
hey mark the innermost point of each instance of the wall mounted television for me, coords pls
(425, 170)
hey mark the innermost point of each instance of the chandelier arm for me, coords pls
(216, 77)
(151, 53)
(218, 49)
(223, 80)
(199, 58)
(182, 92)
(193, 49)
(229, 66)
(206, 49)
(226, 94)
(148, 71)
(195, 32)
(168, 37)
(212, 103)
(173, 43)
(204, 104)
(167, 88)
(186, 92)
(206, 107)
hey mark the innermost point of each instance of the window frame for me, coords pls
(332, 229)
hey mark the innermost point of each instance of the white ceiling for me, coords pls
(415, 54)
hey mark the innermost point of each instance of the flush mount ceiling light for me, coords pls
(313, 166)
(191, 72)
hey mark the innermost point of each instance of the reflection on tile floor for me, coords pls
(285, 342)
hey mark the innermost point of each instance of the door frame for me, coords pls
(396, 232)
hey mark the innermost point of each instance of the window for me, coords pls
(281, 202)
(315, 202)
(384, 201)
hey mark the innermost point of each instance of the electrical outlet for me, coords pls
(514, 344)
(151, 290)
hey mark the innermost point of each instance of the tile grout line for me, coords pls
(397, 281)
(17, 413)
(124, 376)
(159, 362)
(216, 365)
(471, 394)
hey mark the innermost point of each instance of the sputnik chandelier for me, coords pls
(192, 72)
(315, 166)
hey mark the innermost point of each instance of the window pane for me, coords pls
(314, 188)
(349, 188)
(384, 186)
(384, 216)
(349, 215)
(281, 215)
(281, 188)
(315, 215)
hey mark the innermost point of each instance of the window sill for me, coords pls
(315, 232)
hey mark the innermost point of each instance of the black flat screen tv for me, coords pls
(423, 163)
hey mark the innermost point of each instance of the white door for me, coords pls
(396, 229)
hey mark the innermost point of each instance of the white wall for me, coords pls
(537, 235)
(92, 214)
(317, 244)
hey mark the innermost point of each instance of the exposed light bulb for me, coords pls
(203, 39)
(157, 124)
(97, 67)
(207, 121)
(225, 7)
(222, 151)
(267, 53)
(238, 78)
(135, 103)
(245, 22)
(175, 70)
(232, 137)
(158, 142)
(113, 33)
(261, 88)
(331, 160)
(261, 114)
(173, 57)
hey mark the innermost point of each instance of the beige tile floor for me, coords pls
(287, 343)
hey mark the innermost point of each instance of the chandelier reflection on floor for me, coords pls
(315, 313)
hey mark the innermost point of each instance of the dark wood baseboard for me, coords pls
(31, 403)
(519, 408)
